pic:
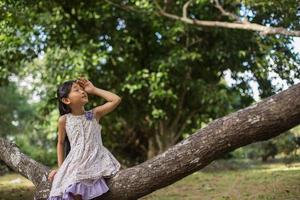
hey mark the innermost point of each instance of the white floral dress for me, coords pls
(87, 163)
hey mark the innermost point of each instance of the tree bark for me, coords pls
(27, 167)
(261, 121)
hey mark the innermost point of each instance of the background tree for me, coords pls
(170, 73)
(258, 122)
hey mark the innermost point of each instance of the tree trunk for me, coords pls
(261, 121)
(152, 149)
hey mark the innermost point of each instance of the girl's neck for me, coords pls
(78, 111)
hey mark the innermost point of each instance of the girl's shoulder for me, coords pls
(62, 119)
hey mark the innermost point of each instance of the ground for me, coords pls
(229, 180)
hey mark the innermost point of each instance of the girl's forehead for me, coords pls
(76, 85)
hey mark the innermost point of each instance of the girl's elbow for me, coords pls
(119, 99)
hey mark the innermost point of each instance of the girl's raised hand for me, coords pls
(86, 85)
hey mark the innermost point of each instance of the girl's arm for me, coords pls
(113, 101)
(60, 145)
(61, 139)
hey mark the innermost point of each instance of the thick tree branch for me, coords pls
(27, 167)
(261, 121)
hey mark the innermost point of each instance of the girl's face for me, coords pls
(77, 95)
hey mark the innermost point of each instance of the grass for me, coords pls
(222, 180)
(270, 181)
(14, 186)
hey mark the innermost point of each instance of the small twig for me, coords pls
(185, 8)
(226, 13)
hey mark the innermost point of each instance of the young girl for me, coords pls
(83, 162)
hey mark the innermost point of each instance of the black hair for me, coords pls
(63, 91)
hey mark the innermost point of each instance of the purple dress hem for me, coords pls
(87, 192)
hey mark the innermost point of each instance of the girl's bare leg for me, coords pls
(77, 197)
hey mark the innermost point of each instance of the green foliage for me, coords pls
(158, 66)
(283, 145)
(15, 111)
(37, 152)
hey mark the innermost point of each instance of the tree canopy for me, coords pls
(171, 73)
